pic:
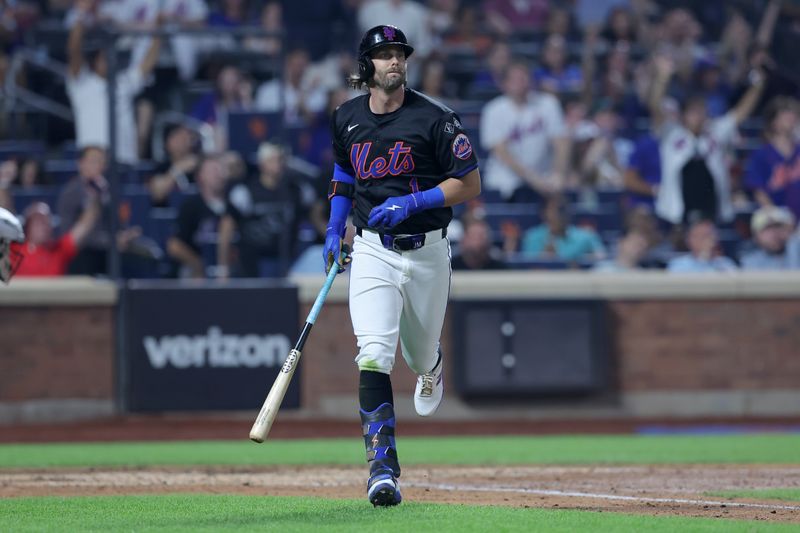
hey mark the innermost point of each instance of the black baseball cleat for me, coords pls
(383, 490)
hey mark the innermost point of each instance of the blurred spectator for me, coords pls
(433, 79)
(298, 95)
(694, 170)
(475, 250)
(411, 17)
(198, 219)
(773, 171)
(509, 16)
(24, 173)
(739, 45)
(712, 86)
(232, 92)
(593, 13)
(230, 14)
(555, 75)
(524, 134)
(468, 35)
(315, 142)
(631, 250)
(271, 20)
(443, 14)
(660, 250)
(556, 238)
(71, 203)
(704, 253)
(234, 166)
(177, 171)
(643, 174)
(620, 26)
(605, 153)
(559, 22)
(489, 80)
(178, 15)
(46, 255)
(266, 211)
(87, 87)
(778, 249)
(680, 34)
(73, 200)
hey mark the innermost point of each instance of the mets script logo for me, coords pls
(388, 32)
(462, 148)
(400, 161)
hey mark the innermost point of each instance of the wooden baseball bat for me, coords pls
(274, 399)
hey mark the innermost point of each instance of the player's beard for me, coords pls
(390, 83)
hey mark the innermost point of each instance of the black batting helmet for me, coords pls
(375, 38)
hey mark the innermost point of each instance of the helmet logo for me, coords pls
(389, 33)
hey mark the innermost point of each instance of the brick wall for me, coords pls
(56, 352)
(662, 345)
(720, 345)
(659, 345)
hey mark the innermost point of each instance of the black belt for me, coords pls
(401, 243)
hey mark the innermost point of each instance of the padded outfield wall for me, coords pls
(674, 346)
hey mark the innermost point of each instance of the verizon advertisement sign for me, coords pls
(210, 347)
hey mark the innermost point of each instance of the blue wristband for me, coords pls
(429, 199)
(340, 208)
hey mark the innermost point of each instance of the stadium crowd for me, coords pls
(613, 135)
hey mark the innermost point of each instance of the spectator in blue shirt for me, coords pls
(773, 171)
(643, 174)
(704, 251)
(555, 75)
(556, 238)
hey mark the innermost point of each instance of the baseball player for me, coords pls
(402, 159)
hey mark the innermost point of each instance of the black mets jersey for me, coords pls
(412, 149)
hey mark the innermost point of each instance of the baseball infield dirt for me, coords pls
(652, 490)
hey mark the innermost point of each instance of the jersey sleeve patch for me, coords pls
(462, 148)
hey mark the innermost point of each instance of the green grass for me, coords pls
(214, 513)
(619, 449)
(789, 495)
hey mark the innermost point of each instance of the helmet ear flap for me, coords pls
(365, 68)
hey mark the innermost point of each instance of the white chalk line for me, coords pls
(597, 496)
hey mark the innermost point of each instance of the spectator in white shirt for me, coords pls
(694, 170)
(299, 94)
(87, 87)
(525, 136)
(413, 18)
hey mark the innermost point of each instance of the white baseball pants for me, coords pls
(399, 295)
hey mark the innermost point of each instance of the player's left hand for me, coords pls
(391, 212)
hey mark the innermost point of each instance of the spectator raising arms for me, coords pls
(198, 219)
(694, 171)
(522, 130)
(47, 255)
(87, 87)
(773, 171)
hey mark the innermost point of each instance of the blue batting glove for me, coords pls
(392, 212)
(335, 252)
